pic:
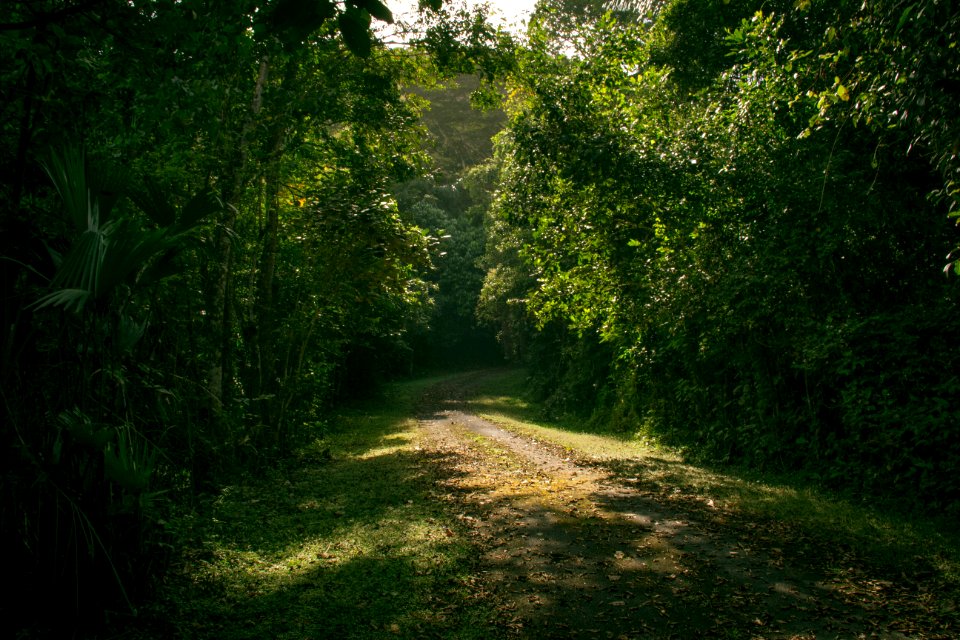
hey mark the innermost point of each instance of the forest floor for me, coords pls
(469, 519)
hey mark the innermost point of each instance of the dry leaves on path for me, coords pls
(573, 549)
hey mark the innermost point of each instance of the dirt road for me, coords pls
(575, 549)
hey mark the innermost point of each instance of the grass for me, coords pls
(887, 537)
(349, 540)
(353, 538)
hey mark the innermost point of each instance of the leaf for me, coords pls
(376, 9)
(294, 20)
(81, 265)
(194, 212)
(128, 333)
(904, 17)
(355, 29)
(107, 255)
(68, 299)
(82, 429)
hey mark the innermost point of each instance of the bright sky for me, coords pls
(511, 12)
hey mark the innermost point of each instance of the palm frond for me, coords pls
(111, 250)
(66, 299)
(67, 171)
(80, 267)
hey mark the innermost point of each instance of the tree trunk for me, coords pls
(269, 374)
(218, 314)
(265, 316)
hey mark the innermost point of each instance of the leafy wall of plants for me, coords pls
(747, 205)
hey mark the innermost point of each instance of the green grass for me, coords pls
(355, 537)
(886, 536)
(350, 540)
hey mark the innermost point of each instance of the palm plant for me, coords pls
(110, 248)
(99, 474)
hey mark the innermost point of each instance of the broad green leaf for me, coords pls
(355, 29)
(294, 20)
(904, 17)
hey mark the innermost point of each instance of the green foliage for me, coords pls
(184, 298)
(110, 250)
(459, 40)
(452, 216)
(720, 200)
(460, 135)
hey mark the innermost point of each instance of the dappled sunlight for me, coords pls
(378, 570)
(718, 496)
(638, 463)
(389, 445)
(397, 537)
(464, 524)
(691, 534)
(353, 530)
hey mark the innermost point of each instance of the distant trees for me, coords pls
(450, 205)
(729, 225)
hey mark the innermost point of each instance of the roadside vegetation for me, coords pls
(728, 226)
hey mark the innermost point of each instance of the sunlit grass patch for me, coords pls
(393, 443)
(347, 541)
(596, 446)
